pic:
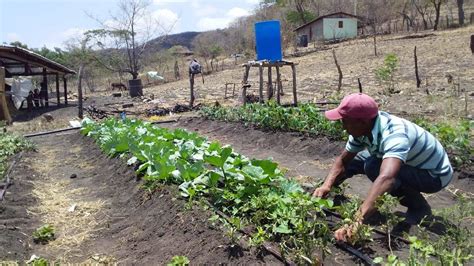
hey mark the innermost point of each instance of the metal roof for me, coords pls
(18, 61)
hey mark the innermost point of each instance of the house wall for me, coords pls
(318, 31)
(332, 31)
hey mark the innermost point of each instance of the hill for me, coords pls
(168, 41)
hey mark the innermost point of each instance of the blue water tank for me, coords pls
(268, 40)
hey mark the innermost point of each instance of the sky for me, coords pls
(50, 23)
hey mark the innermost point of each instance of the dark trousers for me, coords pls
(409, 178)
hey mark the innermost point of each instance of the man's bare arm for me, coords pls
(384, 183)
(336, 173)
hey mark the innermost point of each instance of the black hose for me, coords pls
(50, 132)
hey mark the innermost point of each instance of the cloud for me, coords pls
(13, 37)
(253, 2)
(211, 23)
(205, 24)
(237, 12)
(207, 10)
(167, 2)
(167, 19)
(73, 33)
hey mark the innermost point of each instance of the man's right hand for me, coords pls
(321, 192)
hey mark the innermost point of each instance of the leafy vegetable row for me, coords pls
(9, 145)
(304, 118)
(251, 191)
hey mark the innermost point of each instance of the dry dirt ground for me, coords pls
(439, 54)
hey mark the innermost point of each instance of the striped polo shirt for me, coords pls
(399, 138)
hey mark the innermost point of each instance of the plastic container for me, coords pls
(268, 40)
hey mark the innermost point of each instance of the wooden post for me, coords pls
(270, 83)
(418, 81)
(79, 91)
(244, 84)
(225, 91)
(278, 83)
(57, 89)
(65, 89)
(44, 89)
(339, 84)
(375, 44)
(472, 43)
(191, 81)
(3, 101)
(295, 99)
(260, 89)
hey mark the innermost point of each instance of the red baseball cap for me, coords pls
(357, 105)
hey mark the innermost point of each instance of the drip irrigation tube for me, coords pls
(74, 128)
(267, 246)
(380, 232)
(50, 132)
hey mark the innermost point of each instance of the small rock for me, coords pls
(48, 117)
(72, 208)
(73, 176)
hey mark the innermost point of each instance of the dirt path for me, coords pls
(103, 214)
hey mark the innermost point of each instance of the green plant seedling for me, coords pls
(178, 261)
(44, 234)
(386, 204)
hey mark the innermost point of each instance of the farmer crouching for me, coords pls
(398, 156)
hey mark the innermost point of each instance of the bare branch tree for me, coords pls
(124, 38)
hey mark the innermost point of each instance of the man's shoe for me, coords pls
(417, 205)
(416, 215)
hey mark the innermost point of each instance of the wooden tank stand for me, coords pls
(269, 65)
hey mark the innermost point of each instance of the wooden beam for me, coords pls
(278, 84)
(5, 113)
(295, 99)
(270, 83)
(44, 88)
(65, 90)
(260, 90)
(57, 90)
(9, 75)
(244, 84)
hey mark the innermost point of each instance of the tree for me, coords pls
(422, 7)
(125, 36)
(215, 51)
(19, 44)
(437, 6)
(460, 4)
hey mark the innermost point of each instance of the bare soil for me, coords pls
(114, 220)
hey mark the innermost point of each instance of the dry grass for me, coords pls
(55, 198)
(447, 52)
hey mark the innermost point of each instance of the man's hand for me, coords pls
(321, 192)
(346, 232)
